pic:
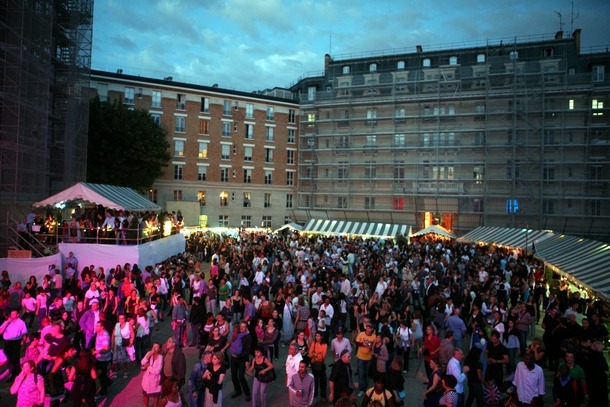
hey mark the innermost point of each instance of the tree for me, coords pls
(126, 147)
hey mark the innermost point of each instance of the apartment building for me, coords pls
(509, 133)
(234, 154)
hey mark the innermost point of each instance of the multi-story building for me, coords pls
(233, 153)
(44, 104)
(504, 133)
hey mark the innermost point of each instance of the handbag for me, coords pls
(125, 342)
(267, 377)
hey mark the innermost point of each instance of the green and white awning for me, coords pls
(346, 227)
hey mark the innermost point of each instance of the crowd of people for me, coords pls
(466, 313)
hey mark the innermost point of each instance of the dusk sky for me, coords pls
(256, 44)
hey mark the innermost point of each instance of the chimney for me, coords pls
(559, 35)
(576, 36)
(119, 71)
(168, 78)
(419, 49)
(327, 61)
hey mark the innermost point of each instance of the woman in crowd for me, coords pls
(434, 389)
(83, 376)
(213, 379)
(171, 395)
(152, 363)
(262, 368)
(395, 381)
(270, 336)
(404, 340)
(217, 342)
(511, 342)
(28, 386)
(122, 337)
(317, 355)
(430, 348)
(111, 307)
(475, 377)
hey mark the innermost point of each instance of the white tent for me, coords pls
(291, 226)
(109, 196)
(435, 229)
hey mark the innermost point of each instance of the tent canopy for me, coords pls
(109, 196)
(435, 229)
(525, 239)
(346, 227)
(291, 226)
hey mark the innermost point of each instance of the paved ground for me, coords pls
(127, 392)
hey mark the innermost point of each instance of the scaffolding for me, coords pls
(45, 57)
(508, 133)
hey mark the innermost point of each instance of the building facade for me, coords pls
(233, 153)
(498, 134)
(44, 102)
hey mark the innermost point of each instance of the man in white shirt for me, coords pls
(316, 299)
(338, 344)
(529, 381)
(454, 369)
(292, 363)
(13, 331)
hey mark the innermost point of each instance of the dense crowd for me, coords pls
(467, 313)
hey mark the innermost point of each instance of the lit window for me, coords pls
(203, 150)
(597, 106)
(453, 60)
(426, 63)
(178, 148)
(571, 104)
(480, 58)
(201, 197)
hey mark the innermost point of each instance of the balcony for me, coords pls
(439, 186)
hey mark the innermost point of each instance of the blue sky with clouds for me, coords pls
(255, 44)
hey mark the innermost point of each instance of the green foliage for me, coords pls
(126, 147)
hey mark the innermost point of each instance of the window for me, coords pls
(370, 170)
(512, 206)
(598, 73)
(203, 150)
(225, 151)
(201, 198)
(202, 173)
(288, 200)
(129, 96)
(224, 174)
(400, 113)
(205, 105)
(291, 135)
(426, 63)
(479, 138)
(223, 221)
(478, 174)
(246, 221)
(513, 170)
(311, 117)
(549, 136)
(178, 171)
(371, 117)
(269, 133)
(247, 153)
(342, 171)
(266, 221)
(453, 60)
(479, 108)
(371, 140)
(596, 173)
(373, 67)
(311, 93)
(477, 205)
(156, 98)
(548, 174)
(291, 116)
(596, 207)
(480, 58)
(153, 195)
(571, 104)
(399, 171)
(270, 113)
(156, 118)
(249, 110)
(249, 131)
(180, 124)
(267, 200)
(268, 155)
(290, 178)
(345, 70)
(547, 52)
(268, 179)
(247, 199)
(178, 148)
(514, 55)
(180, 101)
(204, 126)
(224, 198)
(399, 204)
(597, 106)
(289, 156)
(177, 195)
(399, 140)
(226, 129)
(369, 202)
(140, 93)
(226, 107)
(547, 207)
(400, 65)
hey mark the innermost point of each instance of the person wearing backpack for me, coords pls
(378, 393)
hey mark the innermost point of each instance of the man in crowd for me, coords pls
(241, 343)
(529, 382)
(301, 387)
(340, 380)
(13, 331)
(456, 370)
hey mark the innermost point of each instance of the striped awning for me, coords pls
(512, 237)
(584, 260)
(109, 196)
(346, 227)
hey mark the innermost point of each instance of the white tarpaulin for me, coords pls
(434, 229)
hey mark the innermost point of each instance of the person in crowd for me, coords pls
(364, 355)
(29, 386)
(213, 379)
(430, 348)
(454, 369)
(456, 324)
(577, 373)
(474, 376)
(239, 349)
(434, 387)
(170, 394)
(174, 362)
(123, 336)
(293, 359)
(262, 370)
(301, 387)
(13, 330)
(395, 381)
(179, 317)
(88, 320)
(450, 396)
(491, 393)
(195, 383)
(529, 382)
(317, 356)
(270, 336)
(565, 388)
(196, 317)
(102, 346)
(152, 364)
(496, 356)
(405, 341)
(338, 344)
(340, 380)
(378, 394)
(83, 377)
